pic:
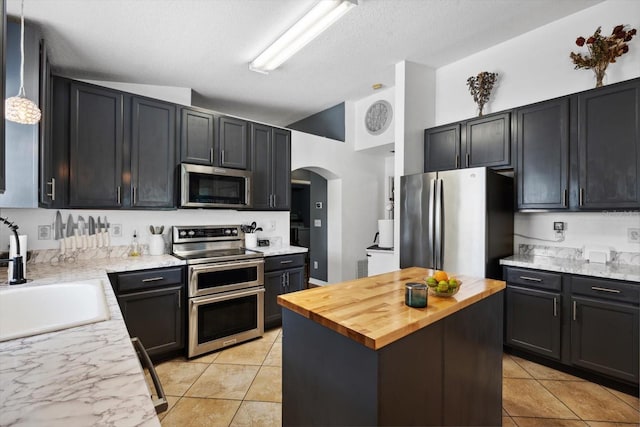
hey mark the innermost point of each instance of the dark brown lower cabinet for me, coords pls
(153, 307)
(532, 320)
(604, 337)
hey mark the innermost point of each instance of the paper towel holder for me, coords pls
(18, 272)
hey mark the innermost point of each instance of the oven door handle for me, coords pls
(225, 296)
(196, 269)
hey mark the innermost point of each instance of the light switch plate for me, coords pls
(317, 223)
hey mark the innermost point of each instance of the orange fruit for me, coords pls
(440, 276)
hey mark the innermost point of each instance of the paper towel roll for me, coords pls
(13, 253)
(385, 228)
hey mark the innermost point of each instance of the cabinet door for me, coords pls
(604, 337)
(295, 279)
(542, 169)
(96, 135)
(196, 137)
(156, 317)
(609, 147)
(153, 146)
(488, 141)
(273, 286)
(442, 148)
(281, 169)
(533, 321)
(232, 146)
(261, 166)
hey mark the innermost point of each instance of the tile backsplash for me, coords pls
(576, 254)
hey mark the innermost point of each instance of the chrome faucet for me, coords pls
(18, 270)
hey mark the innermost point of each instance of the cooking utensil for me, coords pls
(69, 232)
(92, 226)
(161, 229)
(82, 241)
(253, 227)
(58, 226)
(152, 229)
(99, 233)
(106, 241)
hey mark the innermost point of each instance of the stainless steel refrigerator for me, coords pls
(459, 221)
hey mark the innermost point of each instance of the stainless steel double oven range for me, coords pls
(225, 286)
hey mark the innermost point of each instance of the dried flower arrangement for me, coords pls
(602, 50)
(480, 88)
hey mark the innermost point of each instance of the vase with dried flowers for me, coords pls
(480, 87)
(602, 50)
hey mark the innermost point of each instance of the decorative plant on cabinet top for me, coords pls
(480, 88)
(602, 50)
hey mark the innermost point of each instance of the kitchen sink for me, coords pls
(33, 310)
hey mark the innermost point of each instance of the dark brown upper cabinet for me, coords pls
(197, 138)
(482, 141)
(232, 151)
(608, 147)
(542, 167)
(442, 148)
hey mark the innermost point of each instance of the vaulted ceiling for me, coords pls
(206, 45)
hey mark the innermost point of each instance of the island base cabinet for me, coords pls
(604, 337)
(448, 373)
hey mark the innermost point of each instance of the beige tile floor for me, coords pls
(242, 386)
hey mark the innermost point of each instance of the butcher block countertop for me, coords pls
(371, 310)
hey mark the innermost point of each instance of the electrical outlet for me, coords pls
(116, 230)
(44, 232)
(633, 235)
(558, 226)
(317, 223)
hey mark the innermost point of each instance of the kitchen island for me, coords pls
(355, 354)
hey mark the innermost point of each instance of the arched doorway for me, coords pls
(309, 219)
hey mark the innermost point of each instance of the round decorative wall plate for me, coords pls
(378, 117)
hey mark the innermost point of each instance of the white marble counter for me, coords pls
(629, 273)
(83, 376)
(281, 250)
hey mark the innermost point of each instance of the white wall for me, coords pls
(354, 185)
(534, 67)
(29, 219)
(178, 95)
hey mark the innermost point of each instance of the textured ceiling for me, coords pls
(206, 45)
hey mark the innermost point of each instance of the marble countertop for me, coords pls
(371, 310)
(87, 375)
(629, 273)
(281, 250)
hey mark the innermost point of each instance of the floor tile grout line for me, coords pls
(559, 399)
(622, 400)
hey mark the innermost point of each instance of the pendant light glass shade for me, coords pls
(19, 108)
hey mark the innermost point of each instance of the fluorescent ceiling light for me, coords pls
(318, 19)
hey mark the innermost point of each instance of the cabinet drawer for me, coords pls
(534, 278)
(145, 279)
(605, 289)
(283, 261)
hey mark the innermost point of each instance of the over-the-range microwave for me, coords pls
(211, 187)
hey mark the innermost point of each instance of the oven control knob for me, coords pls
(183, 233)
(227, 231)
(191, 233)
(234, 232)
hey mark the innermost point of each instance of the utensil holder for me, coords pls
(156, 244)
(250, 240)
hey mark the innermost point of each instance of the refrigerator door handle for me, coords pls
(439, 231)
(432, 215)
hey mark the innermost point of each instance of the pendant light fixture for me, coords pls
(19, 108)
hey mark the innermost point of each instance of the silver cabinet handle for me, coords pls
(52, 183)
(179, 298)
(581, 197)
(222, 157)
(282, 282)
(211, 155)
(153, 279)
(531, 279)
(467, 159)
(133, 194)
(275, 203)
(613, 291)
(160, 404)
(288, 261)
(565, 197)
(457, 160)
(555, 307)
(118, 194)
(575, 308)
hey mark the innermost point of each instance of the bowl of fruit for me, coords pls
(441, 285)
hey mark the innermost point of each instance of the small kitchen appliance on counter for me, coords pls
(225, 285)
